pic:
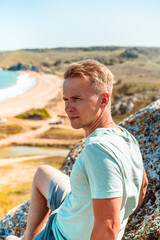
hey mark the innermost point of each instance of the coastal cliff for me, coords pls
(145, 126)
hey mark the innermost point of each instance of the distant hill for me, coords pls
(55, 60)
(135, 69)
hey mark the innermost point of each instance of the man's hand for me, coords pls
(106, 218)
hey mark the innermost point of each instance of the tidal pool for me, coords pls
(18, 151)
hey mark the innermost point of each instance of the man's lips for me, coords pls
(72, 118)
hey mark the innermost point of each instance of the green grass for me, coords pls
(11, 196)
(50, 56)
(63, 133)
(35, 127)
(10, 129)
(132, 88)
(35, 114)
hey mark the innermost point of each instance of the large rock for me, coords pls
(145, 126)
(122, 107)
(21, 66)
(123, 104)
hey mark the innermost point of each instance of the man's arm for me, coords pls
(106, 218)
(142, 192)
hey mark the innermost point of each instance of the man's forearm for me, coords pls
(105, 233)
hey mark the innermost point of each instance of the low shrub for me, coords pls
(35, 114)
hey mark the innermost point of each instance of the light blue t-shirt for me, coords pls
(109, 166)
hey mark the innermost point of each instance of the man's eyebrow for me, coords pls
(74, 96)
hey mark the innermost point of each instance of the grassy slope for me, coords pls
(63, 133)
(14, 126)
(145, 68)
(12, 195)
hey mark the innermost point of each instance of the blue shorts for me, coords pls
(58, 191)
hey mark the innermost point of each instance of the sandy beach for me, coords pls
(46, 88)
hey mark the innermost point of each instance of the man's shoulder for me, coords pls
(117, 144)
(103, 137)
(97, 144)
(109, 136)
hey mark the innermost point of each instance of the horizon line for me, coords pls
(79, 47)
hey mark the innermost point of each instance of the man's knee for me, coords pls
(41, 172)
(46, 171)
(43, 178)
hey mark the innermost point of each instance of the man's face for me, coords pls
(82, 105)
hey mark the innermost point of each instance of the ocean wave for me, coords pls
(23, 84)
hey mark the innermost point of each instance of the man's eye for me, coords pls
(65, 99)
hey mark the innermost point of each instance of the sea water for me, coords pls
(14, 83)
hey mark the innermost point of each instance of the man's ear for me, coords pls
(105, 98)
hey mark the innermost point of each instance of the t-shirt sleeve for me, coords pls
(103, 172)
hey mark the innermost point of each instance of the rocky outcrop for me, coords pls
(145, 126)
(129, 53)
(21, 66)
(123, 105)
(14, 222)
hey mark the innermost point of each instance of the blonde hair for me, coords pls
(99, 75)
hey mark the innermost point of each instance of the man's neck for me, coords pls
(104, 120)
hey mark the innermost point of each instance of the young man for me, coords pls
(108, 181)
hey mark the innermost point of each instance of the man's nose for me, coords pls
(69, 107)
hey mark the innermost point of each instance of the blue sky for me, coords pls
(76, 23)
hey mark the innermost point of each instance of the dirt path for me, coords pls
(32, 136)
(29, 135)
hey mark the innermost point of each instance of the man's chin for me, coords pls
(75, 127)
